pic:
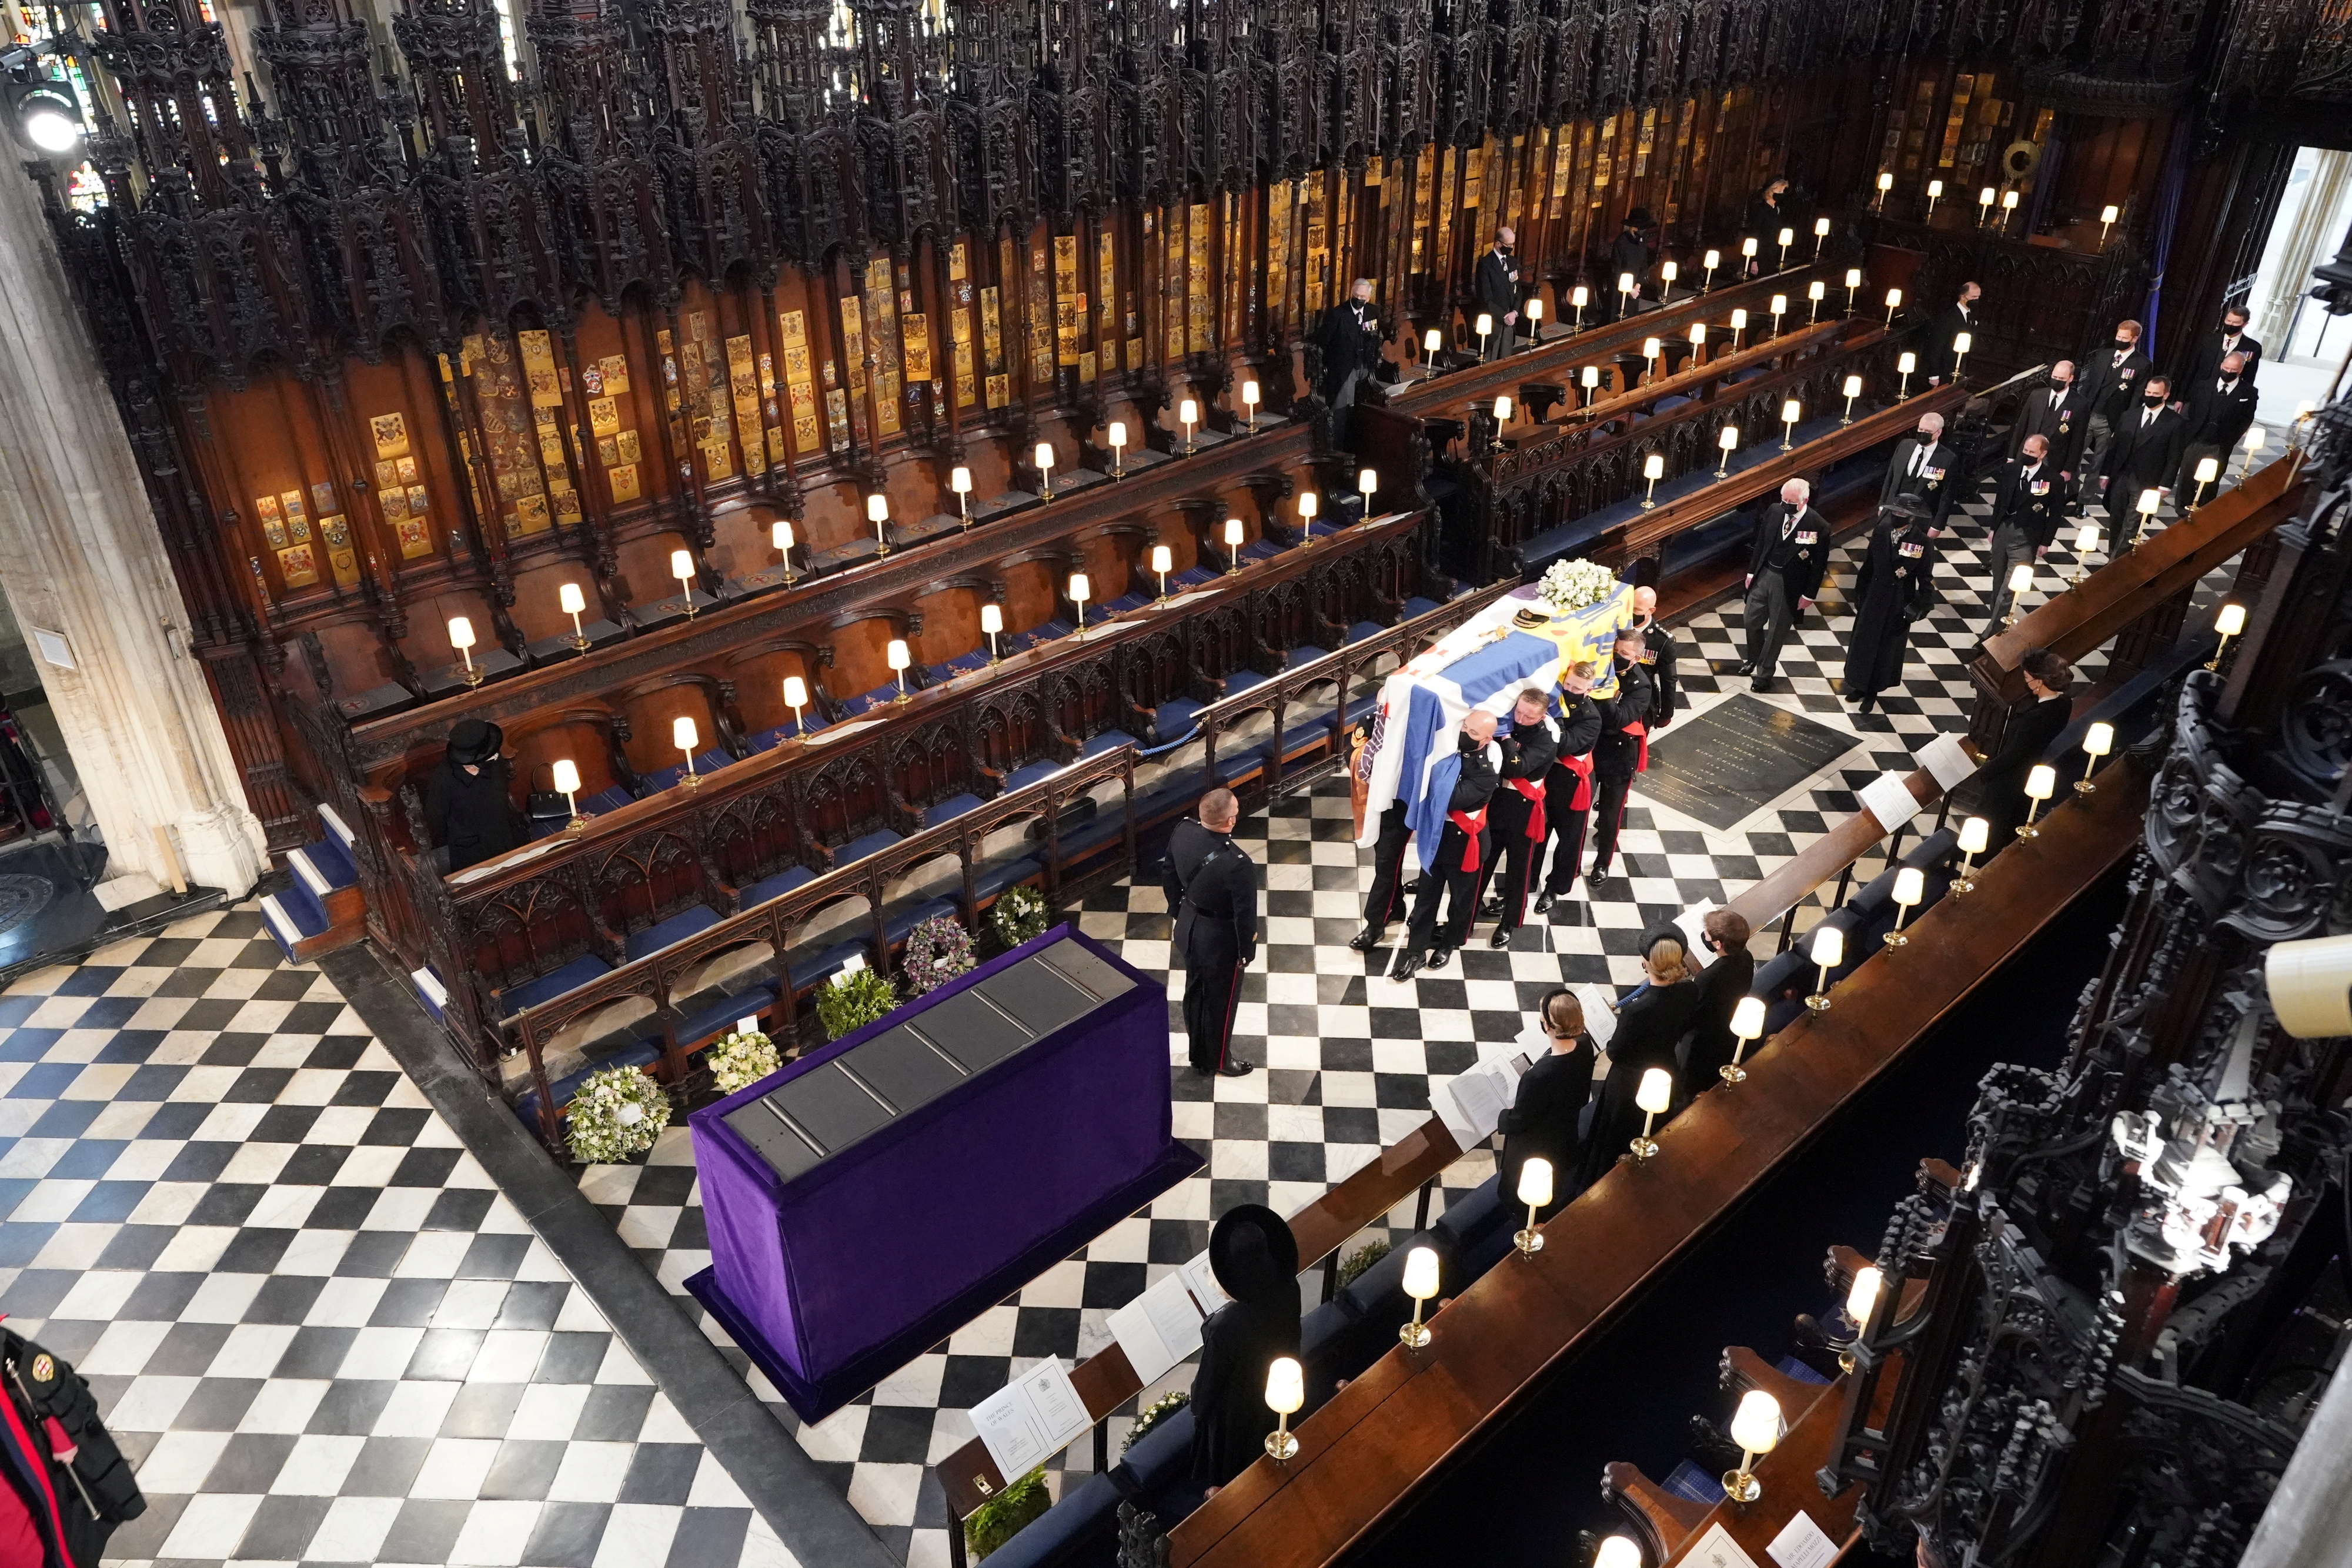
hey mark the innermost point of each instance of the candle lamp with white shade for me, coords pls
(1618, 1552)
(1853, 286)
(1421, 1284)
(1486, 329)
(1628, 285)
(1249, 405)
(959, 481)
(1233, 545)
(2086, 544)
(1707, 264)
(1286, 1391)
(1780, 309)
(1821, 236)
(1907, 364)
(1975, 834)
(1885, 183)
(1910, 892)
(1653, 1094)
(566, 780)
(2020, 583)
(2097, 741)
(1827, 950)
(1748, 247)
(2008, 206)
(1432, 342)
(2107, 216)
(1535, 1191)
(2228, 621)
(796, 699)
(1502, 411)
(1045, 470)
(1118, 448)
(1188, 414)
(1080, 591)
(1984, 205)
(1698, 343)
(900, 659)
(1861, 1298)
(2040, 785)
(780, 536)
(461, 637)
(1853, 390)
(1756, 1427)
(1579, 297)
(1309, 503)
(1591, 382)
(1667, 273)
(1535, 316)
(1893, 303)
(2208, 470)
(2255, 440)
(1961, 343)
(572, 603)
(992, 622)
(1815, 292)
(1653, 468)
(1368, 483)
(2151, 501)
(1787, 238)
(1652, 349)
(686, 737)
(1791, 412)
(1162, 558)
(1747, 1029)
(1727, 441)
(681, 567)
(1935, 195)
(1739, 326)
(877, 512)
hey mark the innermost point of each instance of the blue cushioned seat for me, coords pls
(993, 880)
(1261, 550)
(776, 886)
(1127, 601)
(857, 849)
(662, 778)
(718, 1016)
(1194, 577)
(611, 797)
(677, 928)
(1173, 718)
(635, 1053)
(1363, 629)
(1687, 1481)
(769, 738)
(808, 972)
(1082, 1527)
(1304, 654)
(865, 702)
(1045, 631)
(896, 927)
(1241, 681)
(1417, 605)
(1108, 740)
(1029, 773)
(1475, 1219)
(530, 993)
(948, 810)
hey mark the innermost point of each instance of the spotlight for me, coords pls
(43, 111)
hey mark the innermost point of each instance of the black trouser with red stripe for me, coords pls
(1516, 854)
(1567, 825)
(1448, 881)
(1213, 988)
(1387, 897)
(1609, 815)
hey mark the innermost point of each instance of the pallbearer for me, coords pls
(1517, 815)
(1623, 748)
(1464, 783)
(1568, 787)
(1211, 885)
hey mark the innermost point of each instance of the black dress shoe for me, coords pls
(1439, 958)
(1600, 873)
(1490, 909)
(1367, 939)
(1545, 900)
(1407, 967)
(1863, 705)
(1235, 1069)
(1501, 938)
(1760, 684)
(1747, 667)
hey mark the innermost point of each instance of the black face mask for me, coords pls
(2153, 399)
(1502, 249)
(2060, 383)
(1471, 742)
(2124, 343)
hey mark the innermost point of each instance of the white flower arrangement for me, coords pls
(1569, 586)
(742, 1059)
(616, 1113)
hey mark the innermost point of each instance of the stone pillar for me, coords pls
(2300, 248)
(80, 555)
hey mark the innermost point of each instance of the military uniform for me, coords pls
(1623, 750)
(1568, 793)
(1517, 815)
(1462, 850)
(1785, 568)
(67, 1484)
(1213, 885)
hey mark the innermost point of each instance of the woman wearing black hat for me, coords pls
(469, 804)
(1256, 1260)
(1896, 587)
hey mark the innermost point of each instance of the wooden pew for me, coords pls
(2139, 598)
(1362, 1454)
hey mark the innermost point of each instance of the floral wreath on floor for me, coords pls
(742, 1059)
(1569, 586)
(854, 998)
(616, 1113)
(1019, 915)
(938, 950)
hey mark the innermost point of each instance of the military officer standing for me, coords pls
(1518, 813)
(1212, 887)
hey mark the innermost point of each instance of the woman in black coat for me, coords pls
(1542, 1121)
(1651, 1024)
(1256, 1260)
(469, 804)
(1896, 587)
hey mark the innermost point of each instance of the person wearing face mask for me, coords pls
(1623, 750)
(2110, 381)
(1631, 253)
(1650, 1023)
(1767, 215)
(2057, 414)
(2219, 413)
(469, 801)
(1895, 587)
(1568, 787)
(1950, 324)
(2204, 363)
(2030, 731)
(1543, 1118)
(2144, 456)
(1350, 336)
(1726, 978)
(1790, 555)
(2026, 504)
(1461, 787)
(1518, 813)
(1660, 657)
(1924, 468)
(1497, 287)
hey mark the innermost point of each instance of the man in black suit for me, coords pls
(2111, 380)
(1725, 979)
(1631, 253)
(2031, 731)
(1350, 337)
(2144, 456)
(1516, 817)
(2058, 414)
(1212, 886)
(1568, 787)
(1948, 326)
(1496, 286)
(2205, 360)
(1623, 750)
(1924, 466)
(2219, 413)
(1660, 657)
(1785, 568)
(2026, 506)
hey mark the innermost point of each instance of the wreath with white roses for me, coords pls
(1569, 586)
(742, 1059)
(616, 1113)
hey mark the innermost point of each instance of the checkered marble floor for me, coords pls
(313, 1321)
(1347, 1056)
